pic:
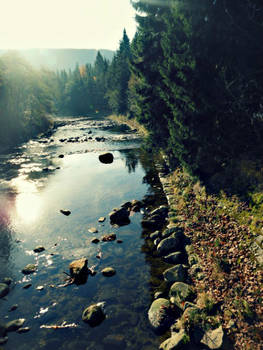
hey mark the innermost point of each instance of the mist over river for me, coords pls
(61, 170)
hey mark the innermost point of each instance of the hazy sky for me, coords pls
(90, 24)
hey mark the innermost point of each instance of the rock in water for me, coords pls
(93, 315)
(101, 219)
(28, 269)
(14, 325)
(119, 216)
(79, 270)
(160, 315)
(4, 290)
(106, 158)
(213, 339)
(108, 271)
(39, 249)
(23, 330)
(65, 212)
(168, 245)
(109, 238)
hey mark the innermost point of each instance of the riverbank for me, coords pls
(131, 123)
(224, 274)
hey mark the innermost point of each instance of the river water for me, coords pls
(35, 183)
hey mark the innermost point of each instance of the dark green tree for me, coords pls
(118, 77)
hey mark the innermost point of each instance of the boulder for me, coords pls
(177, 273)
(108, 238)
(4, 290)
(126, 205)
(119, 216)
(177, 341)
(93, 230)
(95, 240)
(180, 293)
(106, 158)
(39, 249)
(14, 325)
(175, 231)
(23, 330)
(79, 270)
(173, 258)
(108, 271)
(93, 315)
(101, 219)
(65, 212)
(168, 245)
(160, 315)
(162, 211)
(213, 339)
(29, 268)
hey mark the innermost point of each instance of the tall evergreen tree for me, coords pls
(118, 77)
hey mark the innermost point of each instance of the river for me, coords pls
(62, 171)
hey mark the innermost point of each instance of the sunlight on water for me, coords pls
(28, 207)
(28, 203)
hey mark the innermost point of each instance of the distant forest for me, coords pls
(60, 59)
(192, 75)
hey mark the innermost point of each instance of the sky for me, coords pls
(84, 24)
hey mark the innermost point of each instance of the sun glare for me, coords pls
(28, 202)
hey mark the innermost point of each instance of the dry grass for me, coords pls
(132, 123)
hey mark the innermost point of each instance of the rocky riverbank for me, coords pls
(213, 299)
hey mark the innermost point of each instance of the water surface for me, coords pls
(35, 183)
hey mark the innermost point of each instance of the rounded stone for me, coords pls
(159, 314)
(28, 269)
(181, 292)
(39, 249)
(106, 158)
(108, 271)
(14, 325)
(93, 315)
(177, 273)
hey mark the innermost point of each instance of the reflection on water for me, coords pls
(131, 160)
(28, 207)
(41, 184)
(27, 202)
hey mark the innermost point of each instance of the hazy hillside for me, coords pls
(57, 59)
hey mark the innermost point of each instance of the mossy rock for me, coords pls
(177, 273)
(93, 315)
(160, 314)
(176, 342)
(29, 268)
(181, 292)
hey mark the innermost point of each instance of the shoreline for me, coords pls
(215, 272)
